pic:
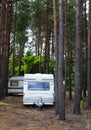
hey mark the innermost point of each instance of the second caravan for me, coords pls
(15, 85)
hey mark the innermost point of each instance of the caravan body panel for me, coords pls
(38, 89)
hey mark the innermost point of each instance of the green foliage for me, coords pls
(29, 53)
(10, 65)
(38, 16)
(23, 15)
(22, 25)
(82, 104)
(52, 65)
(32, 64)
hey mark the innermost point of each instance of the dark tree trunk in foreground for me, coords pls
(2, 46)
(78, 57)
(61, 88)
(89, 56)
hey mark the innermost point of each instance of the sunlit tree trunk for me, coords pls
(6, 14)
(6, 40)
(56, 57)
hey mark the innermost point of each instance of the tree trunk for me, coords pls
(47, 43)
(6, 39)
(61, 88)
(86, 55)
(69, 71)
(56, 57)
(14, 41)
(1, 54)
(89, 56)
(78, 58)
(65, 45)
(21, 56)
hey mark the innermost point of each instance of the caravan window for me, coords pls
(14, 83)
(44, 86)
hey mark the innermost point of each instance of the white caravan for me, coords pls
(38, 89)
(15, 85)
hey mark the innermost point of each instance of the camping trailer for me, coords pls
(38, 89)
(15, 85)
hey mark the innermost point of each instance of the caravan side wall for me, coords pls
(38, 89)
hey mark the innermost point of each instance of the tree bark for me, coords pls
(1, 54)
(6, 39)
(89, 56)
(61, 88)
(78, 58)
(56, 57)
(86, 44)
(47, 43)
(14, 40)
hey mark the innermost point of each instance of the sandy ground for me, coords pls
(15, 116)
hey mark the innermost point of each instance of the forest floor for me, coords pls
(14, 116)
